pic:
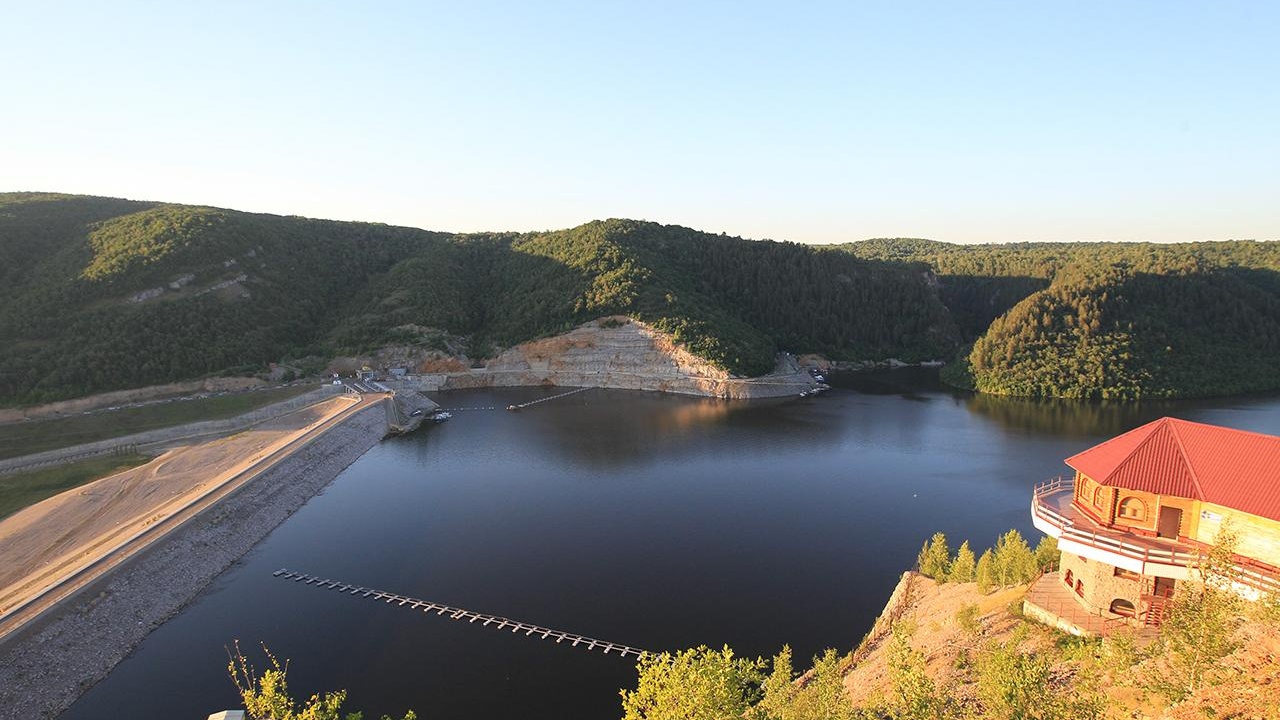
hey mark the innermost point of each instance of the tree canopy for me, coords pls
(102, 294)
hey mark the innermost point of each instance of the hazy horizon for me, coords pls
(821, 124)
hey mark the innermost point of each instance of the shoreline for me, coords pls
(49, 662)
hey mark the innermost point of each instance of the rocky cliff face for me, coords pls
(618, 352)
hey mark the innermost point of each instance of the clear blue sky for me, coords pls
(826, 122)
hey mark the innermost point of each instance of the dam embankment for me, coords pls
(47, 664)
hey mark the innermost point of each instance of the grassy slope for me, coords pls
(26, 438)
(21, 490)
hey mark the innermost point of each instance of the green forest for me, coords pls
(1106, 320)
(101, 294)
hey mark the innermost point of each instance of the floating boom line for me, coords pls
(549, 398)
(460, 614)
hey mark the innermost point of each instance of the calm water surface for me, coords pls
(654, 521)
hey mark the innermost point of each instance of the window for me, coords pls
(1127, 574)
(1123, 608)
(1133, 509)
(1080, 588)
(1097, 497)
(1067, 578)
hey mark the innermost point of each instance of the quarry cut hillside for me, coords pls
(102, 294)
(617, 352)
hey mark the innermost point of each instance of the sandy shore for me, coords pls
(48, 662)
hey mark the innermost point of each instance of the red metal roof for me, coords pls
(1224, 466)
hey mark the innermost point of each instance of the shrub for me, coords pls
(967, 619)
(694, 683)
(1013, 685)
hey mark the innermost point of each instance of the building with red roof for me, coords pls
(1143, 507)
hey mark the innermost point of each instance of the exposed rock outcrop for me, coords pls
(618, 352)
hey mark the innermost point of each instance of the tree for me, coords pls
(1200, 629)
(1046, 554)
(964, 567)
(694, 683)
(934, 559)
(819, 695)
(1014, 562)
(266, 696)
(779, 689)
(985, 573)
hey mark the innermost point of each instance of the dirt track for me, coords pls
(151, 545)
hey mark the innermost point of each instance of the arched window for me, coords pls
(1123, 608)
(1080, 588)
(1133, 509)
(1097, 497)
(1067, 578)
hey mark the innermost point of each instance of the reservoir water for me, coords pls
(660, 522)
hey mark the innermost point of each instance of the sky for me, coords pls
(811, 122)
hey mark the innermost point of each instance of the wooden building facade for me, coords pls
(1141, 510)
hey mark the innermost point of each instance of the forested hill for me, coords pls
(1107, 320)
(102, 294)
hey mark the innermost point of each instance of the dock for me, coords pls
(454, 613)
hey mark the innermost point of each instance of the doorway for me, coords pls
(1170, 522)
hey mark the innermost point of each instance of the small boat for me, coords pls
(441, 416)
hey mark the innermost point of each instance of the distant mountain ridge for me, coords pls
(101, 294)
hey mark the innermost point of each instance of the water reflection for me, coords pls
(1066, 418)
(659, 521)
(612, 429)
(1081, 419)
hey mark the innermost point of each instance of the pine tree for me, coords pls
(964, 567)
(1046, 554)
(1014, 562)
(985, 573)
(934, 559)
(779, 688)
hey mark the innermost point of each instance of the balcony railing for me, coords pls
(1246, 571)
